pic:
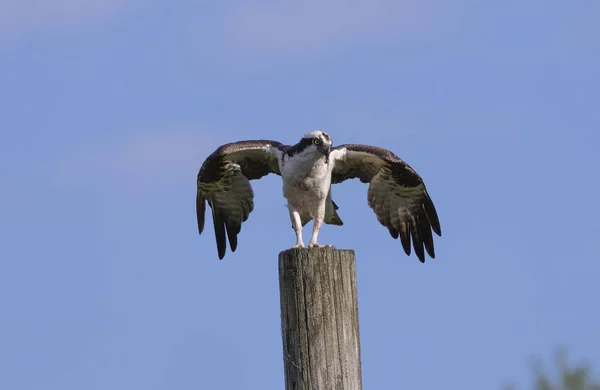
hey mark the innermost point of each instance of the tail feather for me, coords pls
(305, 219)
(335, 219)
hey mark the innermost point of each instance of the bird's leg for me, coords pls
(297, 226)
(316, 227)
(318, 222)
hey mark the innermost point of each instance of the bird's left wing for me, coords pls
(397, 194)
(224, 182)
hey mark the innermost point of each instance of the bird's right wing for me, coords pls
(224, 183)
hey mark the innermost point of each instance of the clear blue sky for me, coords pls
(108, 108)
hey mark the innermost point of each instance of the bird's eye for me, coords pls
(317, 141)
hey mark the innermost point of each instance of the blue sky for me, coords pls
(110, 107)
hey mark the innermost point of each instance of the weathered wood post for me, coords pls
(319, 319)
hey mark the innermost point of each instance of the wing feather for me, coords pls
(405, 237)
(232, 235)
(397, 194)
(224, 182)
(432, 213)
(416, 238)
(425, 231)
(200, 211)
(219, 226)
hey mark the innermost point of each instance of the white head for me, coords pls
(317, 141)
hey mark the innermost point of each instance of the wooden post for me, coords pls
(319, 319)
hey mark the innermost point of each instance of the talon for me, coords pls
(317, 245)
(298, 246)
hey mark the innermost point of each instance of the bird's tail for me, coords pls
(335, 218)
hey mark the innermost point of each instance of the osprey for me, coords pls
(396, 193)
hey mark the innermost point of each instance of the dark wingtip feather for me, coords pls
(200, 211)
(430, 250)
(393, 232)
(420, 253)
(219, 225)
(417, 241)
(405, 237)
(232, 235)
(425, 232)
(432, 214)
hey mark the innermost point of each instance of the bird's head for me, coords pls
(318, 141)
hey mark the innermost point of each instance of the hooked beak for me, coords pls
(325, 150)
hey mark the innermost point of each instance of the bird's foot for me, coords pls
(317, 245)
(299, 245)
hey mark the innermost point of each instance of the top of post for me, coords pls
(315, 251)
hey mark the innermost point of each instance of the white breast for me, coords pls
(305, 167)
(306, 179)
